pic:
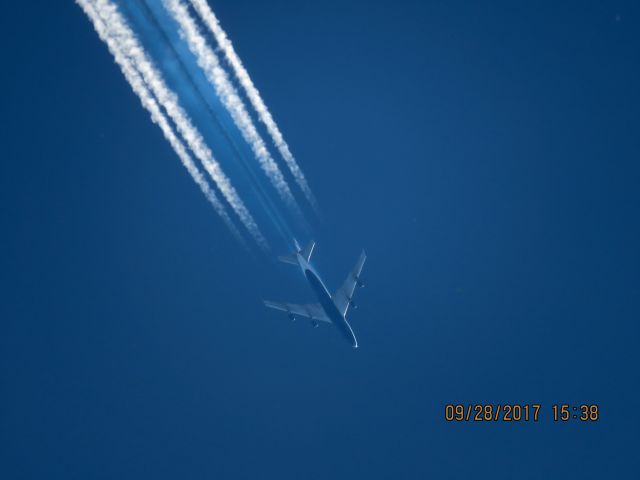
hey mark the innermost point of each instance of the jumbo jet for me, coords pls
(330, 309)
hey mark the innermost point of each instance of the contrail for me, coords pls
(117, 28)
(146, 98)
(209, 18)
(217, 76)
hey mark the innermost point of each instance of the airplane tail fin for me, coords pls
(306, 252)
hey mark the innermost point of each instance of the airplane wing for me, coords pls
(343, 295)
(310, 310)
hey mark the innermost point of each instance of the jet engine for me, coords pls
(315, 324)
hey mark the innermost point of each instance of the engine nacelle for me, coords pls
(354, 305)
(315, 324)
(292, 317)
(359, 282)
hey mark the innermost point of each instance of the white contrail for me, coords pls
(217, 76)
(118, 29)
(146, 98)
(209, 18)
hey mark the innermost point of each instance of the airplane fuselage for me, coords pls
(327, 303)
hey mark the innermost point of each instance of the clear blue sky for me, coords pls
(485, 155)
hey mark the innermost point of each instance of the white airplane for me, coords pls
(331, 308)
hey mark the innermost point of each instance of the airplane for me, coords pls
(331, 309)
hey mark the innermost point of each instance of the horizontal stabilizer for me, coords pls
(308, 250)
(292, 258)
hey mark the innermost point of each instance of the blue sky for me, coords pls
(485, 156)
